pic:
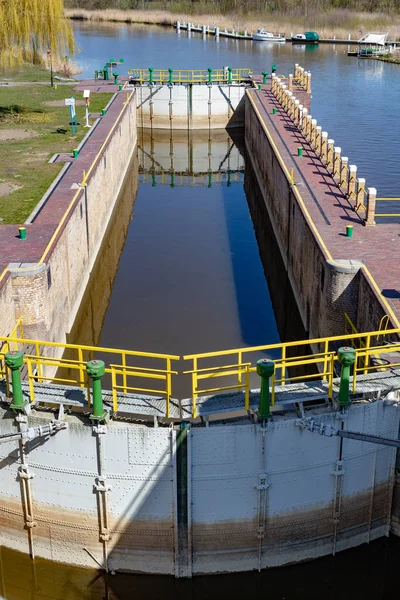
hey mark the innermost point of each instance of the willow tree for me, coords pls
(30, 28)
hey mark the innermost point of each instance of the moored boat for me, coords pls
(308, 37)
(266, 36)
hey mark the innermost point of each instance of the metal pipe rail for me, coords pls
(194, 76)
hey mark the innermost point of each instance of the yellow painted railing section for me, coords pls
(211, 372)
(240, 363)
(43, 367)
(195, 76)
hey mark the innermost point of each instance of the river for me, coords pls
(180, 256)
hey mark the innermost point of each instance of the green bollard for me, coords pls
(299, 151)
(172, 184)
(151, 75)
(210, 180)
(209, 74)
(349, 231)
(116, 75)
(229, 74)
(259, 87)
(170, 71)
(346, 357)
(95, 370)
(105, 73)
(264, 74)
(273, 69)
(265, 369)
(274, 110)
(75, 153)
(121, 87)
(103, 112)
(153, 180)
(22, 233)
(14, 361)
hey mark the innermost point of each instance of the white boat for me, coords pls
(266, 36)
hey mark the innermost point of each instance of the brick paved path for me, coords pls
(376, 247)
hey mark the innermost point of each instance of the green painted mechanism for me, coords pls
(95, 370)
(265, 369)
(14, 361)
(347, 358)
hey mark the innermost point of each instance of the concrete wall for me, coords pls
(255, 497)
(48, 297)
(188, 106)
(323, 290)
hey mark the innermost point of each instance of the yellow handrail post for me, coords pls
(30, 380)
(114, 390)
(330, 387)
(39, 366)
(326, 359)
(240, 354)
(124, 370)
(194, 388)
(273, 389)
(168, 382)
(367, 347)
(82, 370)
(283, 367)
(247, 388)
(355, 374)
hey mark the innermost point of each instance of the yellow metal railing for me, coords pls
(42, 366)
(387, 214)
(194, 76)
(371, 354)
(240, 364)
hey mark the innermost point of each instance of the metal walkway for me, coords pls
(139, 406)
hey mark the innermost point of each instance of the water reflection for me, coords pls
(365, 573)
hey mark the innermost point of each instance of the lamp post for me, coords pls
(51, 67)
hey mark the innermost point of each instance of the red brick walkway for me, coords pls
(376, 247)
(40, 231)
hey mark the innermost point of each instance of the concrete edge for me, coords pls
(53, 158)
(26, 269)
(345, 266)
(47, 193)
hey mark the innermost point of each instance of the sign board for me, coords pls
(86, 93)
(69, 101)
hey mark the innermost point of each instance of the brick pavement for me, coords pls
(40, 231)
(376, 247)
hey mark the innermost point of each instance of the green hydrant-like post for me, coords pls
(170, 71)
(14, 361)
(209, 75)
(299, 151)
(264, 74)
(105, 73)
(346, 357)
(274, 110)
(265, 369)
(349, 231)
(273, 69)
(229, 74)
(22, 233)
(151, 75)
(95, 370)
(116, 75)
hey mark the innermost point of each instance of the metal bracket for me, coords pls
(99, 429)
(101, 485)
(339, 471)
(262, 482)
(24, 473)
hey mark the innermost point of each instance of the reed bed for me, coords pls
(339, 22)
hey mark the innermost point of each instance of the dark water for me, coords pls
(180, 271)
(368, 572)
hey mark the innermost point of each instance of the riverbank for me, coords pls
(337, 23)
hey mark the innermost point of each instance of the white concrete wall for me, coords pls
(183, 106)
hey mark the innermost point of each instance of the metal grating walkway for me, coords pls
(132, 405)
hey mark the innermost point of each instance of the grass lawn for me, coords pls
(35, 116)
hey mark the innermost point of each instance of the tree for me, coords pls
(33, 27)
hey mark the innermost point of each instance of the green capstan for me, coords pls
(346, 357)
(14, 361)
(95, 370)
(265, 369)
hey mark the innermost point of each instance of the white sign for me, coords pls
(86, 93)
(69, 101)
